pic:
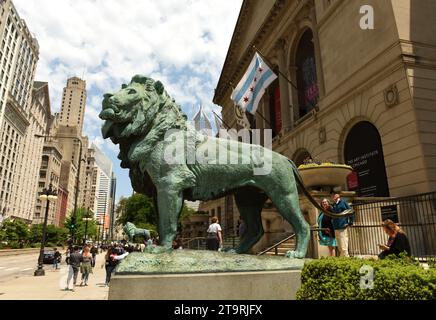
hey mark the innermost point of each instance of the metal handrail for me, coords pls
(276, 245)
(187, 243)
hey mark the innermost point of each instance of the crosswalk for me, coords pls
(17, 269)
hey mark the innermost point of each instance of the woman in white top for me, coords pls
(214, 236)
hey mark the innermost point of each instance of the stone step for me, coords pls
(273, 254)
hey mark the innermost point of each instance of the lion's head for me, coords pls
(129, 111)
(140, 113)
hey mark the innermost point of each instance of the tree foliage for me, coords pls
(78, 227)
(140, 210)
(53, 235)
(137, 209)
(14, 230)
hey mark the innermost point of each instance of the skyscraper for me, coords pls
(73, 104)
(202, 122)
(104, 191)
(19, 53)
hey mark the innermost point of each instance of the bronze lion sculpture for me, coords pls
(145, 121)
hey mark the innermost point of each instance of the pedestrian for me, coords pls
(74, 265)
(86, 266)
(56, 259)
(341, 225)
(327, 234)
(397, 242)
(214, 236)
(111, 261)
(94, 252)
(68, 254)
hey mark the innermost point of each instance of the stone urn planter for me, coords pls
(325, 175)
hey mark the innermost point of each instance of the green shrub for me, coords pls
(340, 279)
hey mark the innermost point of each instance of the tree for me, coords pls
(55, 235)
(14, 230)
(137, 209)
(187, 212)
(78, 229)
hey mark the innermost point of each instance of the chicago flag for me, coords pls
(251, 88)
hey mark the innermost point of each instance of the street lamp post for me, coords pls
(74, 215)
(48, 195)
(86, 219)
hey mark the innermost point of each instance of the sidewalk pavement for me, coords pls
(52, 285)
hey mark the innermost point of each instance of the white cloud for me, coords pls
(183, 43)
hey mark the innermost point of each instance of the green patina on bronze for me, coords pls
(190, 261)
(132, 231)
(139, 116)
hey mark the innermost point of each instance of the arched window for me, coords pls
(307, 81)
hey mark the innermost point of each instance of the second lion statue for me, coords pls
(145, 121)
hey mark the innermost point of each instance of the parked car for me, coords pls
(49, 257)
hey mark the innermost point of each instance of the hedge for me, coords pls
(340, 279)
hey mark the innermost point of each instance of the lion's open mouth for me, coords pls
(107, 129)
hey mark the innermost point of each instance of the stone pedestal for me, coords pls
(205, 275)
(269, 285)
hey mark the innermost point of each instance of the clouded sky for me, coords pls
(183, 43)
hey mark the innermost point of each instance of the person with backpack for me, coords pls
(112, 259)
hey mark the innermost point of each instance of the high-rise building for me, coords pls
(103, 188)
(50, 172)
(89, 198)
(73, 104)
(19, 53)
(112, 206)
(202, 122)
(28, 169)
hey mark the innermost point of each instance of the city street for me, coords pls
(16, 266)
(18, 283)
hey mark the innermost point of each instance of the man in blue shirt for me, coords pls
(340, 225)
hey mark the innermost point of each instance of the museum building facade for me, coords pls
(346, 94)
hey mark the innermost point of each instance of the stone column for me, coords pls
(318, 60)
(295, 110)
(287, 115)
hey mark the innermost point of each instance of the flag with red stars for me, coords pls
(251, 88)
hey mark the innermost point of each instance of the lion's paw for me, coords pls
(295, 255)
(231, 251)
(158, 249)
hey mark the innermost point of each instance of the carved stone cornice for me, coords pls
(16, 115)
(232, 68)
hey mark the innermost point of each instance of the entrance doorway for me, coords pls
(364, 152)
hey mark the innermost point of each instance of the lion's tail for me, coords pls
(306, 192)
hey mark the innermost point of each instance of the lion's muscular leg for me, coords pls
(170, 205)
(250, 204)
(289, 207)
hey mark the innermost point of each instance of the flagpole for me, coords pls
(270, 66)
(260, 114)
(228, 127)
